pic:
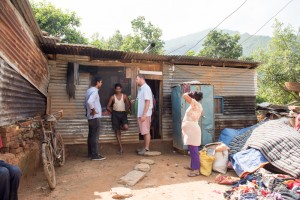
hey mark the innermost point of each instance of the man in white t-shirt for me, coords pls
(144, 112)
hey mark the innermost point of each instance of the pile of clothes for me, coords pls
(265, 185)
(273, 144)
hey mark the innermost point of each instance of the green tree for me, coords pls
(221, 45)
(143, 34)
(190, 53)
(98, 41)
(116, 41)
(280, 64)
(58, 23)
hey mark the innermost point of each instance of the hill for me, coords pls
(180, 45)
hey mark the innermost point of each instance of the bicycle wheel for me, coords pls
(48, 164)
(60, 150)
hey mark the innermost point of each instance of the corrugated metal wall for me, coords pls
(237, 86)
(73, 125)
(18, 48)
(18, 98)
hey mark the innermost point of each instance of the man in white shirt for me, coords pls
(145, 105)
(93, 114)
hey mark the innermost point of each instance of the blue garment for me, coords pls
(9, 181)
(247, 161)
(92, 101)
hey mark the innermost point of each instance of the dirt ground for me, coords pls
(81, 178)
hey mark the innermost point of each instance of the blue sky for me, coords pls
(178, 18)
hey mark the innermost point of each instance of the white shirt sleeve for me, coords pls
(148, 94)
(91, 100)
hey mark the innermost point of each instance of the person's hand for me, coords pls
(93, 112)
(132, 101)
(143, 118)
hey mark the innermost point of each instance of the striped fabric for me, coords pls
(279, 143)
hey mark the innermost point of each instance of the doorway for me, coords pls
(155, 118)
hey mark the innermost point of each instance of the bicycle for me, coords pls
(53, 150)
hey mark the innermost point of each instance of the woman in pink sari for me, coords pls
(191, 131)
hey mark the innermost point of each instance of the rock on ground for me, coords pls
(147, 161)
(142, 167)
(132, 178)
(152, 153)
(121, 193)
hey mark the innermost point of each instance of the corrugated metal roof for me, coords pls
(25, 10)
(99, 54)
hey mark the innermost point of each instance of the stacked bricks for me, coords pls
(15, 140)
(9, 135)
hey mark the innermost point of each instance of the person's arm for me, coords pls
(91, 103)
(127, 102)
(147, 104)
(109, 104)
(187, 98)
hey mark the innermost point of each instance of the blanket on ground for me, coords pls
(279, 143)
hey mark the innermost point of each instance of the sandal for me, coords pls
(188, 168)
(193, 174)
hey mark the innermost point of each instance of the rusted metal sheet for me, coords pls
(73, 126)
(95, 53)
(75, 131)
(233, 121)
(237, 86)
(19, 50)
(18, 98)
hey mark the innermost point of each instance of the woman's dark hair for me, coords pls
(118, 85)
(95, 80)
(196, 95)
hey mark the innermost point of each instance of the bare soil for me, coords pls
(81, 178)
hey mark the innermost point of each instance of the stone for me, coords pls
(147, 161)
(132, 178)
(152, 153)
(142, 167)
(121, 193)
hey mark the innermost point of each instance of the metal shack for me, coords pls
(72, 66)
(24, 74)
(37, 73)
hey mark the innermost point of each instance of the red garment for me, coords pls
(1, 143)
(292, 183)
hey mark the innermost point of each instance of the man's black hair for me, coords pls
(118, 85)
(95, 80)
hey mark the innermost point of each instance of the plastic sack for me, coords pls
(221, 159)
(206, 162)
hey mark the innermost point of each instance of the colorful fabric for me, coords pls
(279, 143)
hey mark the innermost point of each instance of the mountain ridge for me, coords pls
(180, 45)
